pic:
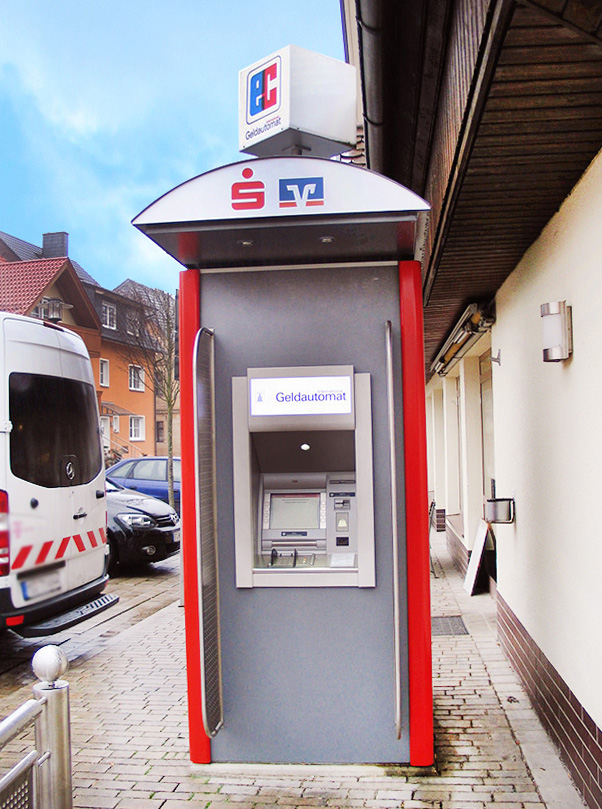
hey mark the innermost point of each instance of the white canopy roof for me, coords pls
(284, 210)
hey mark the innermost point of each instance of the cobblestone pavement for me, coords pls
(130, 749)
(142, 590)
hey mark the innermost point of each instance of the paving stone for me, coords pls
(130, 739)
(198, 804)
(90, 801)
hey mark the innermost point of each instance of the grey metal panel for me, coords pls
(308, 673)
(207, 525)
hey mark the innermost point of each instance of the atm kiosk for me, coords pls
(304, 502)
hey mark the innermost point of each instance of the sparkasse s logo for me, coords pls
(263, 90)
(248, 194)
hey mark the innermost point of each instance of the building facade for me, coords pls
(127, 411)
(32, 279)
(492, 111)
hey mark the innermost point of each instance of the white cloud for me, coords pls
(114, 102)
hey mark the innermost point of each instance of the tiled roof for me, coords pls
(24, 250)
(31, 252)
(22, 282)
(83, 275)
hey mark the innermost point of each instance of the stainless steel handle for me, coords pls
(394, 526)
(206, 520)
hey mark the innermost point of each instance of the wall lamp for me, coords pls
(499, 510)
(475, 321)
(557, 331)
(52, 309)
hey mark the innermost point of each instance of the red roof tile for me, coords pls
(23, 282)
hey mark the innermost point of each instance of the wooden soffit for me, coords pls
(501, 132)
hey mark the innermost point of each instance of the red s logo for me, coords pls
(247, 196)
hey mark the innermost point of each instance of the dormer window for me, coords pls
(109, 315)
(133, 323)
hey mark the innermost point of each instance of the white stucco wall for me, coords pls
(548, 444)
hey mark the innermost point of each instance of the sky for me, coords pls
(105, 105)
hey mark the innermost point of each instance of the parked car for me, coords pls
(139, 528)
(147, 475)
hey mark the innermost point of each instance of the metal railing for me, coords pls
(114, 450)
(41, 779)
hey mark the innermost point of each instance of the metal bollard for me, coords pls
(53, 731)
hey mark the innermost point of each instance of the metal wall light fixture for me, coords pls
(52, 309)
(499, 510)
(557, 331)
(476, 319)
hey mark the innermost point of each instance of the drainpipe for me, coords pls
(369, 20)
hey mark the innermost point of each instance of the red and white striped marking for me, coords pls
(55, 549)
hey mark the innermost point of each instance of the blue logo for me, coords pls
(301, 192)
(263, 90)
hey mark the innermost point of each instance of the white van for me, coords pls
(53, 544)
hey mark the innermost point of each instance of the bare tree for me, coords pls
(153, 343)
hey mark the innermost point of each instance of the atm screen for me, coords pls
(295, 511)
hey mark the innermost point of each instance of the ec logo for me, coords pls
(263, 90)
(301, 192)
(248, 195)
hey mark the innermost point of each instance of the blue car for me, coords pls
(147, 475)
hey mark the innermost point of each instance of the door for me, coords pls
(105, 432)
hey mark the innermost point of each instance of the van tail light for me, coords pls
(4, 535)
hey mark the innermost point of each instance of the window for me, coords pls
(136, 374)
(104, 373)
(54, 420)
(125, 470)
(150, 469)
(105, 431)
(115, 424)
(160, 431)
(136, 428)
(109, 315)
(133, 323)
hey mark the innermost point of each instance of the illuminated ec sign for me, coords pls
(263, 90)
(301, 396)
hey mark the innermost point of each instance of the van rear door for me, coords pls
(54, 464)
(87, 509)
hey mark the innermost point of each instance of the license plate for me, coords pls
(41, 585)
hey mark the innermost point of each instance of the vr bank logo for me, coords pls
(301, 192)
(263, 90)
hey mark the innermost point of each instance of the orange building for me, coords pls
(127, 412)
(44, 282)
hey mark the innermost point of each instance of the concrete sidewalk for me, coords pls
(130, 745)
